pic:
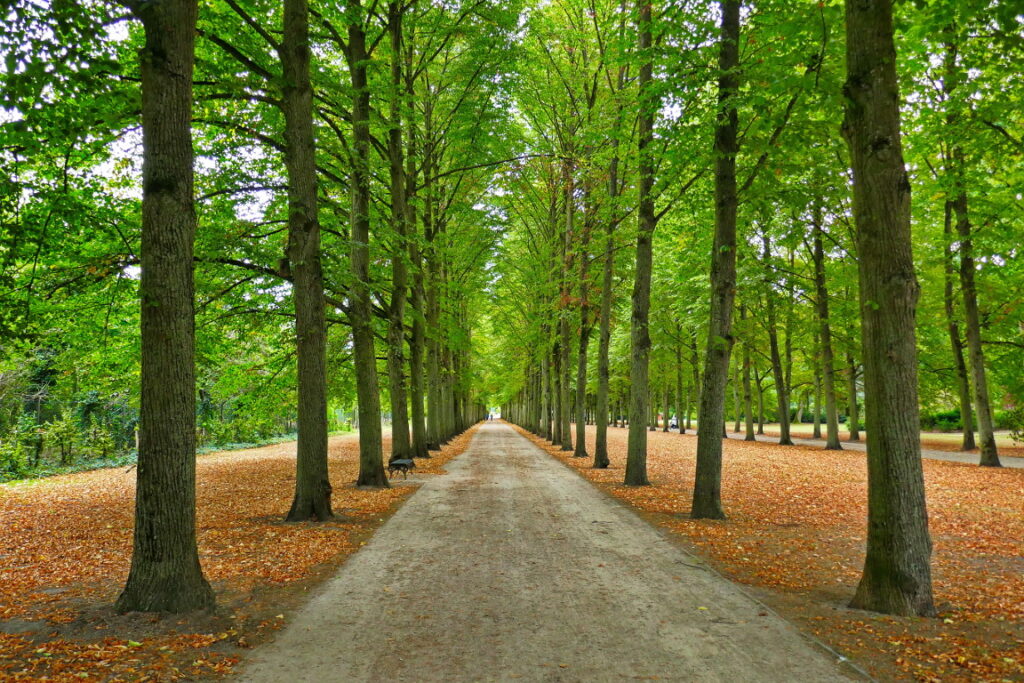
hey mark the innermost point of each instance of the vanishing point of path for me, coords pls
(512, 567)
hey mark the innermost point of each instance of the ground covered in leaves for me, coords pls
(935, 441)
(795, 534)
(66, 546)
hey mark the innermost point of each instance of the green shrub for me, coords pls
(943, 420)
(1013, 420)
(13, 460)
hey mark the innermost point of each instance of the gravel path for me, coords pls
(512, 567)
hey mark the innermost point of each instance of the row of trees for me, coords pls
(291, 224)
(416, 207)
(657, 127)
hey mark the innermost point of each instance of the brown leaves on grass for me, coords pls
(796, 528)
(66, 547)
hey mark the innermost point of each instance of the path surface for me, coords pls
(929, 454)
(512, 567)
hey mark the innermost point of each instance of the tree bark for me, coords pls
(817, 398)
(371, 457)
(897, 570)
(400, 445)
(418, 339)
(165, 574)
(604, 336)
(312, 484)
(736, 400)
(664, 404)
(636, 454)
(825, 334)
(989, 455)
(853, 419)
(748, 408)
(781, 386)
(707, 490)
(956, 343)
(585, 327)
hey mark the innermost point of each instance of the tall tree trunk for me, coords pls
(781, 386)
(853, 418)
(371, 458)
(556, 374)
(165, 574)
(312, 485)
(695, 390)
(400, 445)
(679, 382)
(748, 409)
(707, 490)
(816, 434)
(975, 354)
(664, 404)
(636, 454)
(585, 326)
(897, 571)
(759, 383)
(825, 333)
(989, 455)
(418, 339)
(545, 384)
(605, 333)
(433, 343)
(737, 410)
(956, 344)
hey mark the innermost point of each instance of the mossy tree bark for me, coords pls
(897, 570)
(165, 574)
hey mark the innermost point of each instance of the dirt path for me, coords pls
(513, 567)
(931, 454)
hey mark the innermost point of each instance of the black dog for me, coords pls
(401, 465)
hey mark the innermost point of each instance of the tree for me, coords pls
(312, 483)
(897, 571)
(371, 459)
(707, 490)
(165, 574)
(636, 457)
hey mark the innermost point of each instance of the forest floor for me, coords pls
(795, 535)
(935, 441)
(1006, 454)
(512, 567)
(66, 545)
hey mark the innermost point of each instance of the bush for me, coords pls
(944, 421)
(1013, 420)
(13, 460)
(64, 434)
